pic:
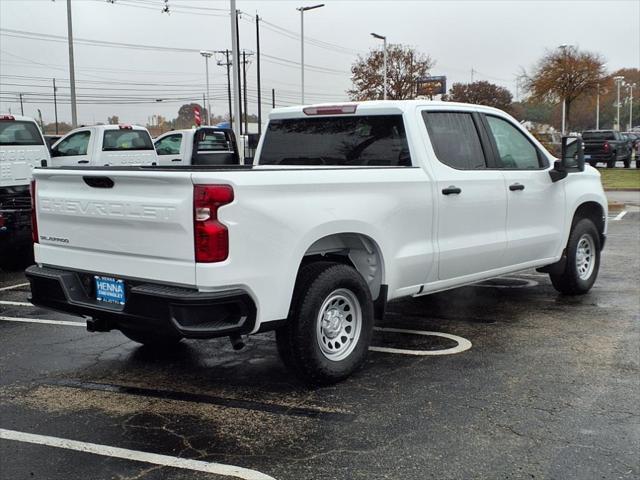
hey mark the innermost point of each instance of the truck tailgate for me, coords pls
(126, 223)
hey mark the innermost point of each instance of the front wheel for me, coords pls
(330, 324)
(583, 260)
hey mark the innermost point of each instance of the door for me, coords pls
(169, 149)
(536, 205)
(72, 150)
(472, 202)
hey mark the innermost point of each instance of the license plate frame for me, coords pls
(110, 290)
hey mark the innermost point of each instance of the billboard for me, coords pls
(430, 86)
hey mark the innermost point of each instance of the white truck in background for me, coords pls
(197, 146)
(104, 145)
(22, 147)
(345, 208)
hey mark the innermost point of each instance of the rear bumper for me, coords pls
(149, 307)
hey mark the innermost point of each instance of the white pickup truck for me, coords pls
(197, 146)
(104, 145)
(346, 208)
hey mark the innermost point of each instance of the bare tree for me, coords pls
(481, 93)
(404, 66)
(565, 74)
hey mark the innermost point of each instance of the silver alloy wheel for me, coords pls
(585, 256)
(339, 324)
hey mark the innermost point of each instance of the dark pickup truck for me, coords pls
(15, 224)
(606, 146)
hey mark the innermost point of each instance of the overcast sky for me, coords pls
(495, 38)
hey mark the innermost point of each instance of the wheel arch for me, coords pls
(593, 211)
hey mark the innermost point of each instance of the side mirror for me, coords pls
(571, 158)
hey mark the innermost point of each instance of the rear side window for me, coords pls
(126, 140)
(169, 145)
(455, 139)
(16, 132)
(373, 140)
(212, 142)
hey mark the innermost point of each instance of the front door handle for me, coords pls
(451, 190)
(83, 161)
(176, 160)
(516, 186)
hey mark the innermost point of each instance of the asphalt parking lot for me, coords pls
(550, 388)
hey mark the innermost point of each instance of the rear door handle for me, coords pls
(451, 190)
(176, 160)
(516, 186)
(83, 161)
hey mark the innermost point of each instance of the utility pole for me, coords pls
(55, 104)
(228, 65)
(631, 86)
(207, 55)
(598, 107)
(21, 106)
(233, 15)
(302, 10)
(237, 56)
(244, 84)
(258, 74)
(273, 98)
(619, 80)
(72, 73)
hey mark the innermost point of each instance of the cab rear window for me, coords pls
(18, 132)
(373, 140)
(115, 140)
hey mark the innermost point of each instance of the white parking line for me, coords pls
(620, 215)
(43, 320)
(135, 455)
(16, 304)
(13, 286)
(463, 343)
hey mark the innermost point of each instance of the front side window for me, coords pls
(169, 145)
(16, 132)
(514, 148)
(126, 139)
(367, 140)
(76, 144)
(455, 139)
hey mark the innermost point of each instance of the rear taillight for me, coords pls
(9, 118)
(605, 147)
(34, 221)
(211, 237)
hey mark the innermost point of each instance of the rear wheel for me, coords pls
(330, 324)
(611, 163)
(152, 340)
(593, 163)
(583, 260)
(627, 162)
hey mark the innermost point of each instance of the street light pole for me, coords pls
(598, 107)
(302, 10)
(72, 73)
(564, 47)
(384, 85)
(207, 55)
(619, 79)
(631, 106)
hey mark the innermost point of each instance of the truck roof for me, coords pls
(379, 107)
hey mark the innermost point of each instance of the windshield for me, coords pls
(126, 140)
(375, 140)
(19, 133)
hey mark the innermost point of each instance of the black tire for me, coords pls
(570, 282)
(151, 339)
(611, 162)
(637, 163)
(627, 162)
(593, 163)
(299, 341)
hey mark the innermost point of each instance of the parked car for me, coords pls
(22, 147)
(104, 145)
(606, 146)
(198, 146)
(345, 208)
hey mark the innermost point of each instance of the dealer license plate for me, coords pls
(110, 290)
